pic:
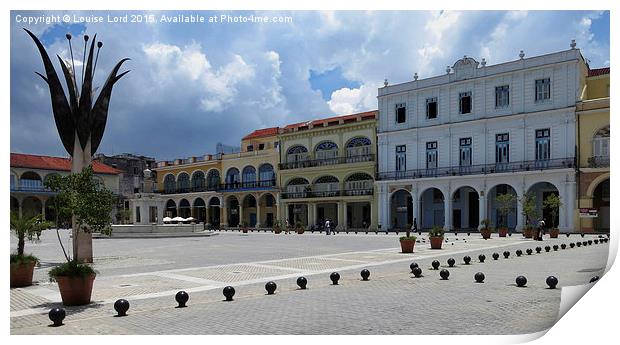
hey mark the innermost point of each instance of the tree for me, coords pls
(504, 206)
(26, 227)
(528, 205)
(553, 203)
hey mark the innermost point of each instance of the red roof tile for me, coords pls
(265, 132)
(20, 160)
(365, 116)
(598, 71)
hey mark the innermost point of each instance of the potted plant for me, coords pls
(407, 242)
(553, 203)
(435, 236)
(90, 204)
(485, 229)
(277, 227)
(505, 204)
(299, 228)
(528, 231)
(528, 206)
(244, 227)
(22, 266)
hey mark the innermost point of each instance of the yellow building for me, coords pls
(593, 153)
(327, 172)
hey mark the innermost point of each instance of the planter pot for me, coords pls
(300, 231)
(502, 232)
(245, 231)
(406, 246)
(75, 290)
(21, 274)
(527, 233)
(277, 231)
(436, 242)
(485, 233)
(554, 233)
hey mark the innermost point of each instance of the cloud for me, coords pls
(351, 100)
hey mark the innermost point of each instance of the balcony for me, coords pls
(224, 187)
(328, 161)
(482, 169)
(46, 191)
(598, 162)
(325, 194)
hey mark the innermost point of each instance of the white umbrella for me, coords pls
(167, 219)
(190, 219)
(178, 219)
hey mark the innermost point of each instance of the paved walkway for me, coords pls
(149, 272)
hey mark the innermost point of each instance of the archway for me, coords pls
(232, 178)
(600, 201)
(200, 210)
(183, 183)
(170, 184)
(431, 209)
(232, 205)
(213, 179)
(249, 211)
(268, 209)
(214, 211)
(171, 208)
(14, 204)
(502, 211)
(266, 175)
(465, 209)
(248, 177)
(541, 191)
(198, 181)
(185, 210)
(31, 206)
(30, 180)
(401, 209)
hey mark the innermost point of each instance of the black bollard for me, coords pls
(519, 252)
(555, 247)
(547, 249)
(578, 244)
(506, 254)
(521, 281)
(479, 277)
(451, 262)
(229, 292)
(589, 242)
(529, 251)
(481, 258)
(538, 249)
(572, 245)
(365, 274)
(595, 241)
(417, 272)
(466, 259)
(271, 288)
(412, 266)
(444, 274)
(552, 282)
(593, 279)
(121, 306)
(181, 297)
(495, 256)
(563, 245)
(335, 276)
(585, 243)
(57, 315)
(302, 282)
(435, 264)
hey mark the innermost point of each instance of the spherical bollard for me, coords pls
(519, 252)
(521, 281)
(335, 276)
(563, 245)
(572, 245)
(589, 242)
(567, 234)
(417, 272)
(593, 279)
(595, 241)
(181, 297)
(479, 277)
(582, 235)
(578, 244)
(271, 288)
(302, 282)
(547, 249)
(57, 315)
(495, 256)
(435, 264)
(412, 266)
(506, 254)
(229, 292)
(585, 243)
(121, 306)
(466, 259)
(481, 258)
(538, 249)
(365, 274)
(529, 251)
(552, 282)
(444, 274)
(555, 247)
(451, 262)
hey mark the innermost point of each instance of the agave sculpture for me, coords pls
(80, 124)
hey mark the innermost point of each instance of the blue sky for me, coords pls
(193, 85)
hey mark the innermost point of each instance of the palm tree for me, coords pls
(26, 227)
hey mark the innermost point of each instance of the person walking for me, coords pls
(541, 230)
(327, 226)
(287, 227)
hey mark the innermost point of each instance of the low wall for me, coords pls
(156, 228)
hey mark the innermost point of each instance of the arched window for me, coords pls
(359, 147)
(183, 183)
(266, 175)
(359, 184)
(297, 188)
(327, 186)
(198, 181)
(170, 184)
(600, 143)
(297, 153)
(232, 178)
(326, 150)
(213, 179)
(31, 181)
(249, 176)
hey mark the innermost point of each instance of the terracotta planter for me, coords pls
(527, 233)
(554, 233)
(277, 231)
(245, 230)
(502, 232)
(21, 274)
(300, 231)
(485, 233)
(436, 242)
(75, 290)
(406, 246)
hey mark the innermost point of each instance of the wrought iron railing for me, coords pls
(233, 186)
(481, 169)
(327, 161)
(326, 194)
(598, 162)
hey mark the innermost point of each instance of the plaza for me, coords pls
(149, 272)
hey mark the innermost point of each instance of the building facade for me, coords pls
(327, 172)
(594, 152)
(29, 197)
(450, 144)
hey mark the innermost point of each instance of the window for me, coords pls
(261, 146)
(465, 152)
(600, 143)
(543, 151)
(401, 158)
(502, 96)
(138, 214)
(250, 148)
(431, 155)
(464, 102)
(502, 148)
(401, 113)
(543, 89)
(431, 108)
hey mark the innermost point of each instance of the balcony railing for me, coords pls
(325, 194)
(598, 162)
(234, 186)
(44, 190)
(327, 161)
(481, 169)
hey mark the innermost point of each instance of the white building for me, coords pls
(449, 144)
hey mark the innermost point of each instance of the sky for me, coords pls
(193, 85)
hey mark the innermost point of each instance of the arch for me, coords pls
(214, 201)
(183, 182)
(199, 202)
(496, 213)
(541, 190)
(602, 132)
(358, 183)
(269, 199)
(432, 208)
(30, 180)
(326, 179)
(48, 176)
(170, 184)
(249, 176)
(463, 186)
(213, 179)
(358, 142)
(232, 176)
(171, 208)
(296, 149)
(326, 145)
(199, 210)
(296, 181)
(249, 201)
(184, 208)
(358, 176)
(198, 181)
(401, 209)
(31, 206)
(266, 174)
(14, 204)
(465, 208)
(601, 201)
(595, 183)
(232, 204)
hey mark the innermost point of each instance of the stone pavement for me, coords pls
(149, 272)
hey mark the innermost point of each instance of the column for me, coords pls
(373, 212)
(345, 220)
(144, 214)
(223, 215)
(340, 226)
(43, 208)
(207, 214)
(258, 213)
(160, 213)
(482, 208)
(133, 212)
(311, 214)
(447, 209)
(415, 208)
(571, 195)
(240, 215)
(383, 209)
(520, 219)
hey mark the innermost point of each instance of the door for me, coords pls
(456, 218)
(473, 207)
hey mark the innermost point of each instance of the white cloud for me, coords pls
(348, 101)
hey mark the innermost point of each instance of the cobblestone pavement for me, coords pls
(149, 272)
